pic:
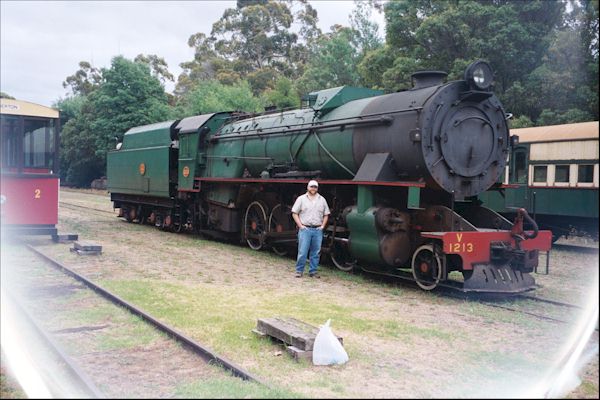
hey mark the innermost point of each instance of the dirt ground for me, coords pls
(124, 357)
(401, 341)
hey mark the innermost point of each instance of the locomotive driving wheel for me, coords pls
(255, 225)
(427, 267)
(341, 257)
(280, 221)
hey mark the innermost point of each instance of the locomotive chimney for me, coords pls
(423, 79)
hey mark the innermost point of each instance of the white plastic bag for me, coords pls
(327, 349)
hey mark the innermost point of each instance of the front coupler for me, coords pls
(494, 261)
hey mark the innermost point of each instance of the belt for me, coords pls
(312, 226)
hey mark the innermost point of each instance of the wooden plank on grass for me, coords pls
(291, 331)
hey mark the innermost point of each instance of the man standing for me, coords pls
(311, 213)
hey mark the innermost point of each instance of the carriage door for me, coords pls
(518, 175)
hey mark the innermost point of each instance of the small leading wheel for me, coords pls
(341, 257)
(280, 221)
(426, 267)
(255, 225)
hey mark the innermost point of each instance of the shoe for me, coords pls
(298, 274)
(314, 275)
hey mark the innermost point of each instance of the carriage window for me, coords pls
(38, 143)
(11, 149)
(520, 167)
(561, 174)
(585, 173)
(540, 173)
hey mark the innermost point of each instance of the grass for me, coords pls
(411, 343)
(224, 320)
(9, 388)
(231, 388)
(127, 330)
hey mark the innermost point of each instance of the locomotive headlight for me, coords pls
(479, 75)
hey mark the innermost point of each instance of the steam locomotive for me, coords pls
(400, 171)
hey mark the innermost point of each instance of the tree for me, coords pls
(128, 96)
(366, 31)
(445, 35)
(85, 80)
(256, 34)
(158, 66)
(522, 121)
(213, 96)
(70, 107)
(333, 62)
(258, 40)
(6, 96)
(80, 163)
(283, 95)
(565, 90)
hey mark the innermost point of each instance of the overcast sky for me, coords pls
(43, 42)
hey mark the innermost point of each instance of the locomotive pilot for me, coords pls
(311, 213)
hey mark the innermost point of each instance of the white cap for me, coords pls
(312, 183)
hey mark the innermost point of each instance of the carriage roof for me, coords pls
(552, 133)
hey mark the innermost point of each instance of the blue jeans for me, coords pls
(309, 244)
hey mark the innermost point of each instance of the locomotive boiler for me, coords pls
(401, 172)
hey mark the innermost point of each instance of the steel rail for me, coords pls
(87, 208)
(465, 294)
(207, 354)
(549, 301)
(82, 380)
(539, 316)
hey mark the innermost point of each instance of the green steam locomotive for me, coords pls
(400, 171)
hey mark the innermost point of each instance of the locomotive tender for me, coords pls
(400, 171)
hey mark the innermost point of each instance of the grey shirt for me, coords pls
(311, 212)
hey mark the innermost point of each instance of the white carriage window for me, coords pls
(561, 174)
(540, 173)
(585, 173)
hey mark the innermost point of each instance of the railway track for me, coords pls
(495, 302)
(451, 292)
(71, 205)
(75, 383)
(204, 352)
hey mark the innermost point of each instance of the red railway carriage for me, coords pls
(29, 161)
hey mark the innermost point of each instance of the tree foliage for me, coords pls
(158, 66)
(128, 96)
(268, 53)
(333, 62)
(258, 40)
(214, 96)
(84, 80)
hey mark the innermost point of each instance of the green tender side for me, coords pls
(149, 145)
